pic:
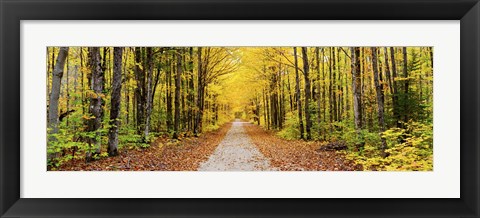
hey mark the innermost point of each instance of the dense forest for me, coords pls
(371, 105)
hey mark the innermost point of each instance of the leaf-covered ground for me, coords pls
(297, 155)
(187, 154)
(163, 155)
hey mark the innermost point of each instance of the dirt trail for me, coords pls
(236, 153)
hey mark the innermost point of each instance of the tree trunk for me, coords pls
(324, 91)
(57, 75)
(307, 92)
(430, 92)
(103, 59)
(380, 99)
(115, 101)
(191, 92)
(52, 65)
(357, 89)
(82, 81)
(273, 101)
(96, 101)
(334, 85)
(269, 124)
(330, 88)
(297, 93)
(363, 91)
(257, 109)
(126, 89)
(67, 94)
(347, 94)
(184, 96)
(200, 94)
(168, 99)
(339, 88)
(140, 99)
(178, 78)
(407, 83)
(389, 79)
(264, 108)
(282, 98)
(148, 97)
(289, 91)
(319, 117)
(396, 113)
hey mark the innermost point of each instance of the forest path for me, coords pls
(236, 152)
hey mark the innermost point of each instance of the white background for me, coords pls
(444, 181)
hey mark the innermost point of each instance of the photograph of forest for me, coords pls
(239, 108)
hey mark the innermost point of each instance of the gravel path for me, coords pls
(236, 153)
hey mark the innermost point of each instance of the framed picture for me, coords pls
(290, 108)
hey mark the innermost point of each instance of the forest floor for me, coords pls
(236, 146)
(297, 155)
(164, 154)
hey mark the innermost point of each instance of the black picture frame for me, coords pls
(13, 11)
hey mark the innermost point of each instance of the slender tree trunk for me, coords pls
(396, 113)
(103, 60)
(363, 91)
(264, 108)
(200, 90)
(140, 92)
(319, 117)
(289, 90)
(257, 109)
(282, 98)
(420, 80)
(115, 101)
(356, 86)
(297, 93)
(127, 88)
(148, 97)
(57, 75)
(380, 99)
(273, 101)
(96, 101)
(347, 93)
(48, 77)
(268, 110)
(430, 92)
(307, 92)
(389, 79)
(178, 78)
(324, 91)
(134, 110)
(169, 96)
(406, 110)
(339, 88)
(183, 95)
(191, 92)
(82, 81)
(330, 88)
(67, 93)
(52, 65)
(334, 85)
